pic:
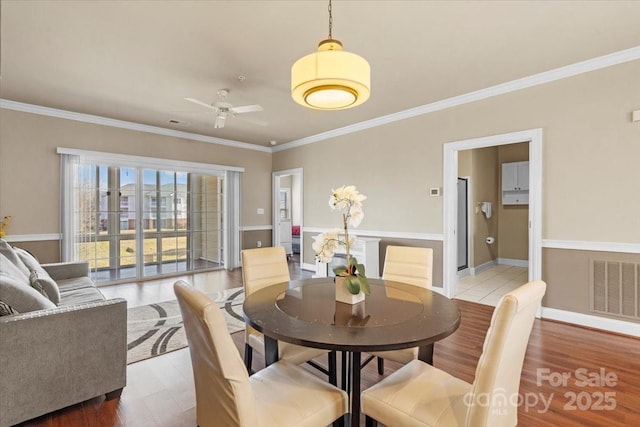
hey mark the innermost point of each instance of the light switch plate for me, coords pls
(434, 192)
(636, 116)
(260, 211)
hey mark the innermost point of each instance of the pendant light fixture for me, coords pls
(331, 78)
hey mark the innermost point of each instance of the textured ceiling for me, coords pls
(137, 61)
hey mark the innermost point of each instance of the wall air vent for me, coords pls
(615, 288)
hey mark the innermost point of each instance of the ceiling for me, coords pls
(137, 61)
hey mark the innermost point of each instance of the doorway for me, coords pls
(288, 212)
(451, 228)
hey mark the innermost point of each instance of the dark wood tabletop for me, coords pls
(395, 316)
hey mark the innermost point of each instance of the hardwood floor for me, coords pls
(160, 391)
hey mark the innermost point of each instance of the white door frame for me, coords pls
(534, 138)
(275, 179)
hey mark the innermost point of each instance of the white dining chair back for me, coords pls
(419, 394)
(223, 391)
(263, 267)
(409, 265)
(500, 365)
(227, 396)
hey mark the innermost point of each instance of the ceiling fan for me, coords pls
(224, 109)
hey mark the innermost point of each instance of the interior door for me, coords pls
(463, 249)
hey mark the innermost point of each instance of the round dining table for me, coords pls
(394, 316)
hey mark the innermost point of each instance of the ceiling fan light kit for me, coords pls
(331, 78)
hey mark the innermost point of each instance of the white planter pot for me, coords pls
(343, 294)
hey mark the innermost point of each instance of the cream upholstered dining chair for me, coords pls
(264, 267)
(227, 396)
(407, 265)
(420, 395)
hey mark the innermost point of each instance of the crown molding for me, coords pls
(98, 120)
(597, 63)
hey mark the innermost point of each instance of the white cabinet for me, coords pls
(515, 183)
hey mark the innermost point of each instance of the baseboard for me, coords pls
(513, 262)
(482, 267)
(463, 273)
(590, 321)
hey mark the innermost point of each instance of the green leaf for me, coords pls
(352, 284)
(339, 270)
(364, 285)
(360, 269)
(353, 261)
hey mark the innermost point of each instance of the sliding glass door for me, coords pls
(133, 223)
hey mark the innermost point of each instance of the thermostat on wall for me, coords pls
(434, 192)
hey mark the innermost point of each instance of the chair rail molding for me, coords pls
(632, 248)
(32, 237)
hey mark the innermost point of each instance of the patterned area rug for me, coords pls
(156, 329)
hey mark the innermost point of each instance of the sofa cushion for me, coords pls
(11, 256)
(21, 296)
(6, 309)
(80, 296)
(75, 283)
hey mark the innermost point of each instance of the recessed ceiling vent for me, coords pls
(178, 122)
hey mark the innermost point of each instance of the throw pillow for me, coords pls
(21, 296)
(7, 250)
(6, 309)
(47, 283)
(35, 283)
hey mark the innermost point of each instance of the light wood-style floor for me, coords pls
(160, 391)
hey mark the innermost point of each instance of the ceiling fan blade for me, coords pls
(252, 120)
(246, 109)
(204, 104)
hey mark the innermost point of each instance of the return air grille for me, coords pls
(615, 288)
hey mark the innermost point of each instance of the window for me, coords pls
(138, 222)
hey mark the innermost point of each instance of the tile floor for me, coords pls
(491, 284)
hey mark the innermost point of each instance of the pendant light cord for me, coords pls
(330, 20)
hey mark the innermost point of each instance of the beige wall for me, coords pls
(569, 271)
(590, 155)
(590, 175)
(30, 168)
(484, 188)
(513, 232)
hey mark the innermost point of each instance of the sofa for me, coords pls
(61, 341)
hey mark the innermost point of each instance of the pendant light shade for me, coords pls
(330, 79)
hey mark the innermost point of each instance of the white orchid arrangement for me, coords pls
(348, 201)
